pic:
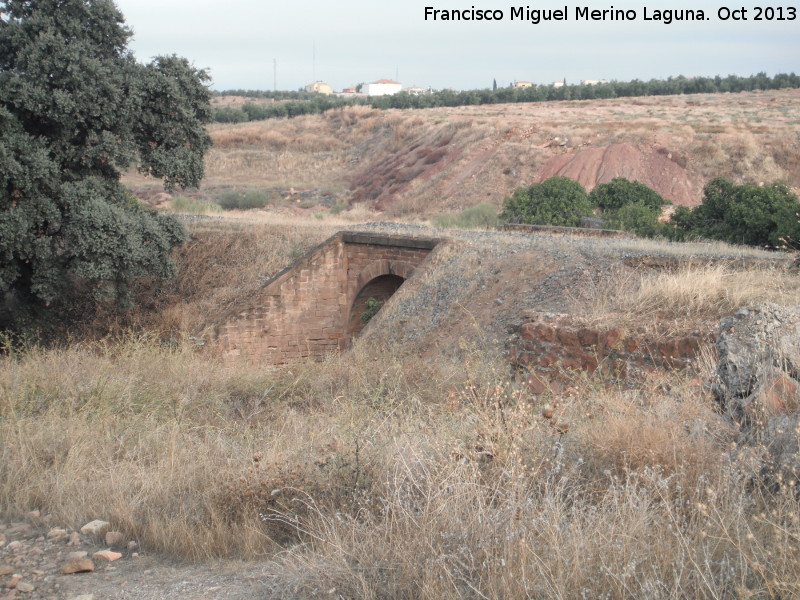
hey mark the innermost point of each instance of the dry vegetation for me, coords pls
(359, 475)
(691, 293)
(382, 474)
(428, 161)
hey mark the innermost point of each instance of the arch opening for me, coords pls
(380, 288)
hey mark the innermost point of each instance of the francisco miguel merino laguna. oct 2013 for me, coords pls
(585, 13)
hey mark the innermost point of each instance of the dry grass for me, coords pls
(359, 476)
(224, 263)
(690, 293)
(378, 474)
(700, 289)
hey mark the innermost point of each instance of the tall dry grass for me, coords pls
(382, 476)
(686, 295)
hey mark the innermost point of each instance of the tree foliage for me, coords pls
(292, 104)
(741, 214)
(556, 201)
(629, 205)
(76, 110)
(620, 192)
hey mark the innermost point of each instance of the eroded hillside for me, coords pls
(427, 161)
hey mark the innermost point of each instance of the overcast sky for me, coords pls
(345, 42)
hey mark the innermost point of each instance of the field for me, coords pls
(418, 464)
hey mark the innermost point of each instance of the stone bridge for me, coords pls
(314, 306)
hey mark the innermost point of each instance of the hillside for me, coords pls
(424, 162)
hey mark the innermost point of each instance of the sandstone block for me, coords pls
(77, 565)
(545, 333)
(611, 337)
(587, 337)
(107, 555)
(96, 528)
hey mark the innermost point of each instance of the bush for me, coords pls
(228, 114)
(555, 201)
(741, 214)
(233, 200)
(483, 216)
(636, 218)
(372, 308)
(620, 192)
(629, 205)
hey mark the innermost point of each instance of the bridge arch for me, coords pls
(379, 280)
(305, 310)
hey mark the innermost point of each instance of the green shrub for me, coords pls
(620, 192)
(555, 201)
(629, 205)
(372, 308)
(483, 216)
(636, 218)
(741, 214)
(234, 200)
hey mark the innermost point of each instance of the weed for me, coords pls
(483, 216)
(197, 206)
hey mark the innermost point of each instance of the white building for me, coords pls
(416, 90)
(382, 87)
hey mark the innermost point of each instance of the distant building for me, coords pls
(349, 91)
(593, 81)
(416, 90)
(320, 87)
(522, 84)
(558, 84)
(382, 87)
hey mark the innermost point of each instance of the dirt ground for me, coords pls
(32, 555)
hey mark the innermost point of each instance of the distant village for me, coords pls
(389, 87)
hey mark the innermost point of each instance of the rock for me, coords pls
(83, 597)
(13, 581)
(6, 570)
(19, 528)
(24, 586)
(56, 532)
(755, 347)
(132, 545)
(15, 546)
(107, 555)
(74, 539)
(759, 386)
(115, 539)
(77, 565)
(96, 528)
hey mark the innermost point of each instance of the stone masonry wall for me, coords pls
(303, 312)
(550, 346)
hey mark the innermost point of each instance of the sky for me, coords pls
(260, 45)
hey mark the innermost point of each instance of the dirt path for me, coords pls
(33, 555)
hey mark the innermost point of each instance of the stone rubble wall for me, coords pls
(550, 346)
